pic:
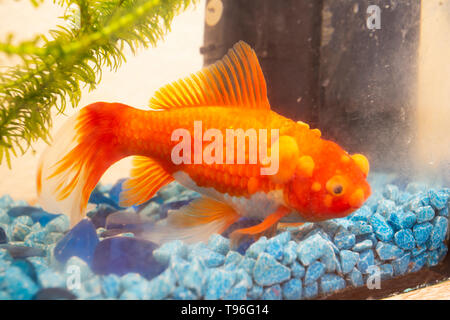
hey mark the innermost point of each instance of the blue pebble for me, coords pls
(443, 212)
(329, 259)
(256, 248)
(311, 291)
(418, 250)
(385, 207)
(275, 249)
(194, 277)
(314, 272)
(219, 244)
(81, 241)
(6, 201)
(424, 214)
(162, 286)
(111, 286)
(363, 245)
(18, 284)
(268, 271)
(19, 231)
(244, 278)
(348, 260)
(395, 219)
(181, 293)
(438, 199)
(179, 267)
(247, 264)
(418, 262)
(233, 258)
(311, 249)
(401, 264)
(387, 271)
(355, 278)
(433, 258)
(255, 292)
(388, 251)
(381, 228)
(59, 224)
(366, 259)
(289, 253)
(439, 232)
(292, 289)
(167, 250)
(362, 214)
(405, 239)
(51, 279)
(238, 292)
(272, 293)
(391, 192)
(330, 283)
(422, 232)
(409, 219)
(26, 220)
(297, 270)
(344, 240)
(210, 258)
(360, 228)
(4, 217)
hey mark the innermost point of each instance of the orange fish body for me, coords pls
(191, 136)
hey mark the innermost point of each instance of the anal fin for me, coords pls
(147, 177)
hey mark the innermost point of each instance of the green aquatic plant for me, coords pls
(55, 67)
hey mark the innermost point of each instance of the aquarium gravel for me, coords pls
(395, 232)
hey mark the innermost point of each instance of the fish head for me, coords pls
(329, 183)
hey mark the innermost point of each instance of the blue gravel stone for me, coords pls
(366, 259)
(363, 245)
(268, 271)
(387, 271)
(6, 201)
(244, 278)
(424, 214)
(311, 249)
(418, 250)
(60, 224)
(418, 262)
(4, 217)
(194, 277)
(391, 192)
(19, 231)
(292, 289)
(355, 278)
(422, 232)
(409, 219)
(297, 270)
(162, 286)
(330, 283)
(238, 292)
(169, 249)
(256, 248)
(314, 272)
(405, 239)
(348, 260)
(384, 207)
(433, 258)
(233, 258)
(18, 284)
(388, 251)
(395, 219)
(275, 245)
(181, 293)
(255, 292)
(80, 241)
(272, 293)
(438, 199)
(381, 228)
(439, 232)
(344, 240)
(247, 264)
(360, 228)
(219, 244)
(362, 214)
(111, 286)
(401, 264)
(179, 267)
(311, 291)
(26, 220)
(444, 212)
(51, 279)
(290, 253)
(121, 255)
(210, 258)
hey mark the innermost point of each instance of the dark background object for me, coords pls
(323, 65)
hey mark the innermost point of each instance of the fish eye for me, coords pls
(336, 185)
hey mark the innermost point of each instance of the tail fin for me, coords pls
(82, 151)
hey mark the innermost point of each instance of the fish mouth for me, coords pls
(357, 198)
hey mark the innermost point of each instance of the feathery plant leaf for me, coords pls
(53, 71)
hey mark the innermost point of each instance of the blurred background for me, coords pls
(382, 92)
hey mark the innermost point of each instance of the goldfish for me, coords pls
(307, 178)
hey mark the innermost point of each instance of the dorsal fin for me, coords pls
(235, 80)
